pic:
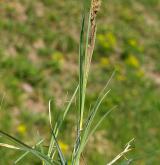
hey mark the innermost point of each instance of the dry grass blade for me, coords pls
(9, 146)
(126, 150)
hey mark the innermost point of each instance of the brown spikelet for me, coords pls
(95, 7)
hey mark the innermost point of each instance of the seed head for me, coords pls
(95, 6)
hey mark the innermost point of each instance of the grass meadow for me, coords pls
(39, 61)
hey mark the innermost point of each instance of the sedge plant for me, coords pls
(85, 127)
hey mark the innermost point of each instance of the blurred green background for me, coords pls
(38, 61)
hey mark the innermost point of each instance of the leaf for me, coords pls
(27, 152)
(9, 146)
(25, 147)
(60, 154)
(59, 123)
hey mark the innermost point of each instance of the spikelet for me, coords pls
(96, 4)
(91, 35)
(95, 7)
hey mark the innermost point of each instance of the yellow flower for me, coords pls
(133, 61)
(111, 39)
(132, 42)
(101, 37)
(58, 57)
(21, 129)
(106, 45)
(121, 77)
(64, 147)
(104, 62)
(140, 73)
(107, 40)
(119, 67)
(136, 45)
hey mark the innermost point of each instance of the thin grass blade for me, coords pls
(25, 147)
(100, 121)
(9, 146)
(81, 71)
(88, 126)
(126, 150)
(59, 123)
(60, 154)
(27, 152)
